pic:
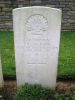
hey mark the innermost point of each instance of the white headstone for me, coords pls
(1, 75)
(36, 38)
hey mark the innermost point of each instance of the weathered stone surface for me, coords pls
(36, 38)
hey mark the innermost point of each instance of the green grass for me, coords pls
(7, 53)
(66, 66)
(37, 92)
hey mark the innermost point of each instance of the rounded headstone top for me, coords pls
(38, 7)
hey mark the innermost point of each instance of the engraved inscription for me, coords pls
(37, 23)
(36, 40)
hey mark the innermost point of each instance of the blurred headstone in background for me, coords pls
(1, 75)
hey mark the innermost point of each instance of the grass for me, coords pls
(37, 92)
(7, 53)
(66, 66)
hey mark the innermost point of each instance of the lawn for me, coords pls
(7, 53)
(66, 66)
